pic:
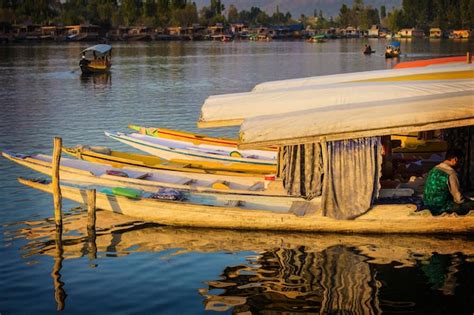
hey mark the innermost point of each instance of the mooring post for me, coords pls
(91, 218)
(469, 57)
(57, 197)
(91, 209)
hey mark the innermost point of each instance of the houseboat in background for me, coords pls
(82, 32)
(436, 32)
(411, 33)
(460, 34)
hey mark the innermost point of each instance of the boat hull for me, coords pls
(125, 159)
(87, 69)
(380, 219)
(170, 153)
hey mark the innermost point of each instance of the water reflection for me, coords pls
(287, 272)
(335, 280)
(97, 80)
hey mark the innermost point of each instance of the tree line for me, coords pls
(447, 14)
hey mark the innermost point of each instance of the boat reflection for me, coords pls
(289, 272)
(98, 80)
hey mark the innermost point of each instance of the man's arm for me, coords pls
(454, 188)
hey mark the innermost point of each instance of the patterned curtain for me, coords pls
(301, 169)
(352, 170)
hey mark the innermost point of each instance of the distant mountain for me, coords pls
(298, 7)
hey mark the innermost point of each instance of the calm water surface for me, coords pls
(134, 267)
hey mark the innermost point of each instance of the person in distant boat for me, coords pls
(442, 191)
(84, 61)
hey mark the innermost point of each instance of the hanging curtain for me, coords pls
(352, 169)
(301, 170)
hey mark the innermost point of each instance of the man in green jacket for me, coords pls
(442, 192)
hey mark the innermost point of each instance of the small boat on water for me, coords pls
(380, 219)
(96, 59)
(194, 138)
(393, 50)
(317, 39)
(174, 149)
(207, 189)
(127, 159)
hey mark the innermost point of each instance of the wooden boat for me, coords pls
(194, 138)
(127, 159)
(382, 249)
(211, 190)
(380, 219)
(174, 149)
(393, 50)
(317, 39)
(96, 59)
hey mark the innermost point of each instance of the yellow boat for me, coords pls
(127, 159)
(194, 138)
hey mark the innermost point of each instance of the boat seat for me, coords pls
(186, 181)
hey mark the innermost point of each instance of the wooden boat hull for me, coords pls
(194, 138)
(169, 153)
(245, 198)
(87, 69)
(391, 55)
(382, 249)
(380, 219)
(126, 159)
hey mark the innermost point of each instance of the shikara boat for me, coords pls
(194, 138)
(382, 249)
(174, 149)
(381, 219)
(83, 172)
(210, 190)
(127, 159)
(96, 59)
(393, 50)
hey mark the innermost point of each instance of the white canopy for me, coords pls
(100, 50)
(341, 89)
(352, 121)
(232, 109)
(357, 76)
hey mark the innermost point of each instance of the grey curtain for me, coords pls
(301, 170)
(352, 169)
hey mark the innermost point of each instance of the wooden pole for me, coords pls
(91, 218)
(57, 197)
(469, 57)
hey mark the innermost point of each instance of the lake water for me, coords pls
(131, 267)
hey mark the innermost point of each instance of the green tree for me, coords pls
(232, 14)
(383, 12)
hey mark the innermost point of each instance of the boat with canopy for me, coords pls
(96, 59)
(332, 147)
